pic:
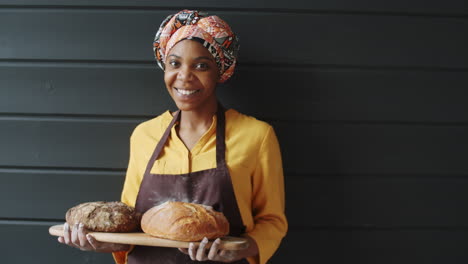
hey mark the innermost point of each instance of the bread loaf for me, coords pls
(104, 217)
(184, 222)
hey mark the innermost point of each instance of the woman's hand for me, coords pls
(214, 253)
(78, 237)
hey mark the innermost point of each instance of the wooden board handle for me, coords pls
(142, 239)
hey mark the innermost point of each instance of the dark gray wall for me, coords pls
(368, 99)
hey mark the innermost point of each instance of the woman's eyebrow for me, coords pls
(197, 58)
(204, 58)
(173, 55)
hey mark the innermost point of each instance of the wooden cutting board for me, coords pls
(142, 239)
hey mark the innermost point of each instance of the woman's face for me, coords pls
(191, 75)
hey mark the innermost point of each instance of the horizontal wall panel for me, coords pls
(373, 201)
(31, 243)
(54, 192)
(373, 149)
(337, 39)
(86, 89)
(418, 6)
(364, 246)
(325, 201)
(307, 148)
(303, 94)
(62, 143)
(311, 246)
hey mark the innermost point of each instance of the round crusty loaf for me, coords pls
(184, 222)
(104, 217)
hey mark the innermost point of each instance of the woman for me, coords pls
(202, 153)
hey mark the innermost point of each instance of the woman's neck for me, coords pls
(196, 121)
(193, 124)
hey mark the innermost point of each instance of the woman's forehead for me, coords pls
(190, 49)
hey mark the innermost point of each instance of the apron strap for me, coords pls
(161, 143)
(220, 139)
(220, 136)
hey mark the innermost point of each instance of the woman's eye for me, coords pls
(173, 63)
(202, 66)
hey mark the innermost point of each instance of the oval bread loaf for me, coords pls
(184, 222)
(104, 217)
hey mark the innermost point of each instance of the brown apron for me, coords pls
(211, 187)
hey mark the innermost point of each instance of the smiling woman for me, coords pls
(201, 153)
(191, 76)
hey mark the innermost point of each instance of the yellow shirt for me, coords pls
(254, 162)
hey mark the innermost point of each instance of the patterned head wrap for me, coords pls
(211, 31)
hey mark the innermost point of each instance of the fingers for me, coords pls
(212, 254)
(66, 234)
(204, 252)
(78, 237)
(75, 237)
(201, 252)
(82, 236)
(198, 253)
(192, 251)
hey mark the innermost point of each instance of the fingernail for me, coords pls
(81, 226)
(205, 239)
(65, 226)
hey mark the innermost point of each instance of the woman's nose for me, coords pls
(184, 73)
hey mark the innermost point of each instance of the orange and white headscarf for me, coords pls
(211, 31)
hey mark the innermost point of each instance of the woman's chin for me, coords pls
(186, 105)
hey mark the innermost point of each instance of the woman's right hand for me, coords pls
(78, 237)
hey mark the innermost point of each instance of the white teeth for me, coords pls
(186, 92)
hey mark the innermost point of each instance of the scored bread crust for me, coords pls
(115, 217)
(184, 222)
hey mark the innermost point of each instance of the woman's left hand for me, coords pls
(203, 252)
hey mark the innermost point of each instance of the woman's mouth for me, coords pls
(185, 92)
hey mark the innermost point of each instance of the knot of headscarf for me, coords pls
(211, 31)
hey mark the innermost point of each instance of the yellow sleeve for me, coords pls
(129, 193)
(133, 178)
(268, 203)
